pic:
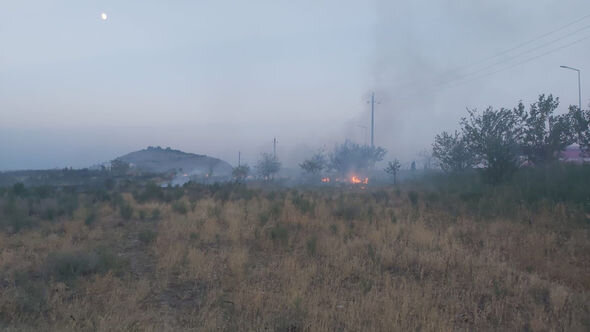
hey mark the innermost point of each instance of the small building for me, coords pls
(574, 154)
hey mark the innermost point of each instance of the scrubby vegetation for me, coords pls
(441, 253)
(500, 141)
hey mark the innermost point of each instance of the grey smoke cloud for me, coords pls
(225, 76)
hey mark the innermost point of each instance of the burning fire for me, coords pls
(356, 180)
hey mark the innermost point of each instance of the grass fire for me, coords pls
(294, 166)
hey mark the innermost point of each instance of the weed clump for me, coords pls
(305, 206)
(280, 234)
(67, 266)
(147, 236)
(180, 207)
(413, 197)
(156, 214)
(311, 245)
(126, 211)
(347, 212)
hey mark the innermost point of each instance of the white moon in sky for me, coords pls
(103, 16)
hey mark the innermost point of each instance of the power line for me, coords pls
(528, 42)
(520, 54)
(530, 59)
(461, 82)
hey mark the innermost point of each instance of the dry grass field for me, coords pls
(331, 259)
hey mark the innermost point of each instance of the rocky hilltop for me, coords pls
(160, 160)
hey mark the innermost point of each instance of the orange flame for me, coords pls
(356, 180)
(325, 180)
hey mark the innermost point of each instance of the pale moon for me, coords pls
(103, 16)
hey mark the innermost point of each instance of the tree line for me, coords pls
(499, 141)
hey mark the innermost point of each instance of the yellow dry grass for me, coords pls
(265, 264)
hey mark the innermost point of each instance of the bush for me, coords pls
(280, 234)
(49, 213)
(305, 206)
(126, 211)
(151, 192)
(67, 266)
(90, 218)
(67, 204)
(15, 217)
(347, 212)
(156, 214)
(276, 209)
(263, 218)
(180, 207)
(18, 189)
(147, 236)
(413, 197)
(311, 245)
(30, 297)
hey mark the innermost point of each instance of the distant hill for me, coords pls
(159, 160)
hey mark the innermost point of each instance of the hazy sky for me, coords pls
(218, 77)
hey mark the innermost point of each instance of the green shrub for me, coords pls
(156, 214)
(67, 203)
(276, 209)
(413, 197)
(15, 216)
(334, 229)
(305, 206)
(347, 212)
(393, 217)
(30, 296)
(126, 211)
(18, 189)
(381, 196)
(311, 245)
(280, 234)
(147, 236)
(49, 214)
(67, 266)
(90, 217)
(263, 218)
(151, 192)
(180, 207)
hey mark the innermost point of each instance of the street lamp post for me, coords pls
(579, 85)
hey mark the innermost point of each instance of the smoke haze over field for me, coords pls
(219, 77)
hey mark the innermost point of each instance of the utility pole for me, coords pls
(239, 158)
(274, 147)
(373, 102)
(579, 84)
(373, 119)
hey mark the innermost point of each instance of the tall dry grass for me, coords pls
(343, 260)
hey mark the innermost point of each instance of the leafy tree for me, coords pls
(493, 136)
(580, 123)
(268, 166)
(119, 167)
(350, 157)
(452, 152)
(393, 168)
(240, 173)
(544, 134)
(315, 165)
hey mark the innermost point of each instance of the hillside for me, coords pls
(159, 160)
